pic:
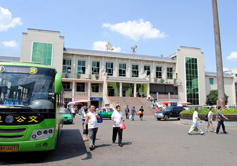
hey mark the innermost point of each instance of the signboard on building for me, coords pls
(96, 99)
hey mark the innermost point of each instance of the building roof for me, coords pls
(118, 55)
(9, 59)
(210, 73)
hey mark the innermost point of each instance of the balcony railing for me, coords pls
(96, 94)
(81, 94)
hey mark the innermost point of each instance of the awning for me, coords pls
(83, 101)
(75, 103)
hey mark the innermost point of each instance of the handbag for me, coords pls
(100, 120)
(130, 117)
(139, 113)
(123, 126)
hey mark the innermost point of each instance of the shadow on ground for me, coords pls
(70, 145)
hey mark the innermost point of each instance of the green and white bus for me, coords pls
(30, 96)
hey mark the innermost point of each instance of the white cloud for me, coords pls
(10, 43)
(6, 20)
(101, 45)
(225, 69)
(136, 29)
(232, 56)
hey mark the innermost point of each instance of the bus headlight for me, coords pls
(42, 134)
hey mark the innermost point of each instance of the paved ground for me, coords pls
(147, 142)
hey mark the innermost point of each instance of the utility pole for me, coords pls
(219, 65)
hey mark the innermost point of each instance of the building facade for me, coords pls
(93, 76)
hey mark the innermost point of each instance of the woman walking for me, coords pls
(85, 132)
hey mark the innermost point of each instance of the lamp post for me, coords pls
(219, 65)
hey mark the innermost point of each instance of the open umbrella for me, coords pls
(78, 103)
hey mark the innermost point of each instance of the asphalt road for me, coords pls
(147, 142)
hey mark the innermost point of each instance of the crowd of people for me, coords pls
(219, 118)
(90, 126)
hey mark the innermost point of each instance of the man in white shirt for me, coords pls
(91, 120)
(117, 118)
(210, 118)
(73, 111)
(195, 122)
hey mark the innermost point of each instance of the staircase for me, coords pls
(133, 101)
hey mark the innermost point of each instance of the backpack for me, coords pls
(206, 117)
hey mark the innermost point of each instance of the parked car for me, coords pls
(66, 116)
(106, 112)
(169, 112)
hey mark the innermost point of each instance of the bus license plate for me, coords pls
(9, 148)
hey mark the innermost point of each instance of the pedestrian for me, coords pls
(83, 117)
(133, 111)
(127, 112)
(141, 115)
(73, 111)
(153, 104)
(91, 120)
(210, 118)
(117, 118)
(195, 122)
(156, 110)
(219, 118)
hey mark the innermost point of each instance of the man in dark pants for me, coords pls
(219, 117)
(117, 118)
(127, 112)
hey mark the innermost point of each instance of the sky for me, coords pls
(156, 27)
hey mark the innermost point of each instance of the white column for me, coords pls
(74, 68)
(116, 68)
(128, 69)
(120, 89)
(89, 90)
(164, 73)
(169, 96)
(148, 90)
(141, 67)
(73, 90)
(89, 65)
(153, 72)
(157, 95)
(135, 90)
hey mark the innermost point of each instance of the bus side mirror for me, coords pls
(58, 83)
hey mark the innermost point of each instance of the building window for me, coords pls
(66, 65)
(81, 67)
(211, 81)
(158, 72)
(122, 70)
(66, 86)
(169, 73)
(80, 87)
(135, 71)
(235, 75)
(42, 53)
(147, 68)
(192, 81)
(94, 87)
(109, 68)
(95, 67)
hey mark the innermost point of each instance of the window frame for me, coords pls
(80, 85)
(135, 71)
(97, 67)
(109, 68)
(158, 73)
(210, 81)
(68, 67)
(83, 68)
(122, 70)
(148, 71)
(169, 73)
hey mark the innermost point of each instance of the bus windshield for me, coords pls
(27, 87)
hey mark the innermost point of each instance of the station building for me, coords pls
(96, 77)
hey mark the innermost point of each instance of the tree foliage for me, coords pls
(212, 97)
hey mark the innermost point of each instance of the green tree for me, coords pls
(212, 97)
